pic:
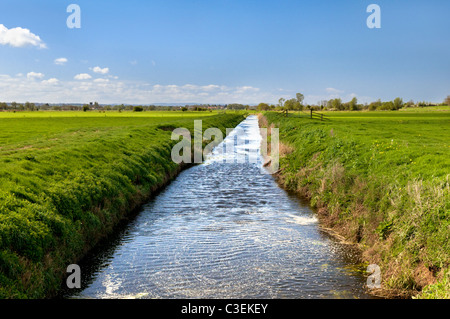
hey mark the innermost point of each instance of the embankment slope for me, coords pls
(62, 191)
(381, 180)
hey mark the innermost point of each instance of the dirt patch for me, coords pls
(27, 147)
(167, 128)
(423, 276)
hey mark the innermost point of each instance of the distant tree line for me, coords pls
(293, 104)
(27, 106)
(296, 104)
(95, 106)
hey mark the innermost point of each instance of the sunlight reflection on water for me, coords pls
(223, 230)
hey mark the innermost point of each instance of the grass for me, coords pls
(67, 178)
(382, 180)
(46, 124)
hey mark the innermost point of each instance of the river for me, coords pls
(223, 230)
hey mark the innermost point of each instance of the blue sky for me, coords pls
(223, 51)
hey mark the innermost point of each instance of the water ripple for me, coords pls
(223, 230)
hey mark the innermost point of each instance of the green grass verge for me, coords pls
(66, 181)
(381, 179)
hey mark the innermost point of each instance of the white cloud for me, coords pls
(333, 91)
(244, 89)
(60, 61)
(34, 75)
(108, 90)
(51, 81)
(82, 76)
(207, 94)
(101, 80)
(99, 70)
(211, 87)
(19, 37)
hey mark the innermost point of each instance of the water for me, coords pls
(223, 230)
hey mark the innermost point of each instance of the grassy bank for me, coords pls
(381, 180)
(68, 179)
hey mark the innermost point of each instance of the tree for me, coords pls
(300, 97)
(292, 104)
(236, 106)
(447, 100)
(335, 104)
(353, 104)
(323, 104)
(30, 106)
(410, 103)
(398, 103)
(375, 105)
(138, 109)
(86, 107)
(281, 102)
(386, 106)
(263, 107)
(289, 104)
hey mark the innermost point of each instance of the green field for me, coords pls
(21, 128)
(381, 179)
(67, 178)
